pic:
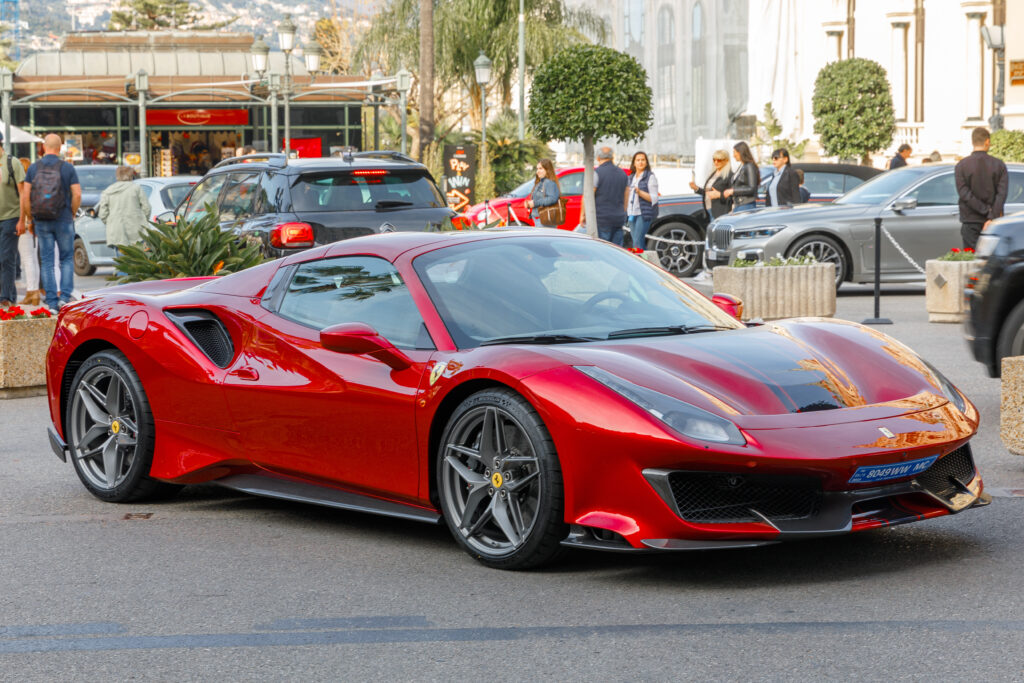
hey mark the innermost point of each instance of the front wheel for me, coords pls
(683, 251)
(825, 250)
(1011, 336)
(499, 482)
(81, 259)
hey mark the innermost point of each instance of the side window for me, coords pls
(205, 193)
(851, 181)
(360, 289)
(272, 195)
(1015, 190)
(571, 184)
(823, 182)
(237, 198)
(147, 189)
(939, 191)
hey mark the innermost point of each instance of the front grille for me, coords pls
(719, 497)
(938, 479)
(721, 236)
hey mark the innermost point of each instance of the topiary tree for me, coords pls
(588, 92)
(852, 107)
(1008, 145)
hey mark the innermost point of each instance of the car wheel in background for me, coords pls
(1011, 336)
(499, 482)
(825, 250)
(109, 431)
(682, 260)
(82, 265)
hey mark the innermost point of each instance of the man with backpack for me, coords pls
(12, 173)
(52, 196)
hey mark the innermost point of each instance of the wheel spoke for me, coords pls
(128, 425)
(516, 484)
(514, 460)
(466, 450)
(515, 515)
(96, 430)
(492, 440)
(111, 461)
(485, 516)
(500, 511)
(467, 475)
(82, 455)
(91, 398)
(477, 496)
(112, 400)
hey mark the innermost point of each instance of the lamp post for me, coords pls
(377, 75)
(260, 53)
(312, 53)
(6, 88)
(482, 66)
(403, 81)
(995, 39)
(286, 41)
(142, 87)
(522, 70)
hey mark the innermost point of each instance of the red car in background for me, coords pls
(510, 208)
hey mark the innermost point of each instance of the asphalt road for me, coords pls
(218, 586)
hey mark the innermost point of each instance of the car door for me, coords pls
(1014, 193)
(928, 230)
(344, 418)
(571, 187)
(237, 198)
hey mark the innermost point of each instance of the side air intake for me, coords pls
(207, 332)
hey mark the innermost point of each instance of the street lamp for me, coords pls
(6, 89)
(376, 76)
(260, 53)
(403, 81)
(312, 53)
(286, 41)
(482, 66)
(995, 39)
(142, 87)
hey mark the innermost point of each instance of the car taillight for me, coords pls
(292, 235)
(370, 172)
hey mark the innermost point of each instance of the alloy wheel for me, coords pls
(104, 428)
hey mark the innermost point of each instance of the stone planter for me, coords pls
(772, 292)
(944, 290)
(1011, 408)
(23, 346)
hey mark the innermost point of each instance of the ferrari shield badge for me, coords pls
(435, 372)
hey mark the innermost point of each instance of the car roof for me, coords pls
(856, 170)
(171, 180)
(299, 166)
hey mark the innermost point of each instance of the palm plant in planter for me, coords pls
(945, 280)
(780, 287)
(186, 249)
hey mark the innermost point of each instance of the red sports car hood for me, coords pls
(811, 366)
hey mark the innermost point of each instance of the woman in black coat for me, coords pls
(715, 203)
(743, 185)
(784, 186)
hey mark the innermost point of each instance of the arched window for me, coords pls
(633, 38)
(666, 65)
(699, 81)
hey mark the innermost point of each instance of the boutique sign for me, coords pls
(197, 117)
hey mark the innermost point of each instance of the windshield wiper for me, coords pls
(664, 330)
(390, 204)
(537, 339)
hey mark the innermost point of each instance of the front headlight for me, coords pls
(751, 233)
(687, 420)
(948, 389)
(986, 245)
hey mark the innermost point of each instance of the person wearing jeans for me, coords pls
(58, 230)
(12, 173)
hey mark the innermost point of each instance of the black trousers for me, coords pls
(970, 232)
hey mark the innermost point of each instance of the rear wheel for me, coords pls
(82, 265)
(825, 250)
(1011, 336)
(499, 482)
(682, 260)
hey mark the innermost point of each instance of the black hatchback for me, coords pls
(995, 294)
(294, 204)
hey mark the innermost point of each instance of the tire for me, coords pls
(109, 429)
(500, 489)
(680, 260)
(1011, 336)
(826, 250)
(82, 265)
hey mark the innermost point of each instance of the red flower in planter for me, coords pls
(968, 250)
(955, 250)
(41, 313)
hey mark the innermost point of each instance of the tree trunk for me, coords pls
(426, 135)
(589, 205)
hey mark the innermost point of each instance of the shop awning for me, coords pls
(18, 135)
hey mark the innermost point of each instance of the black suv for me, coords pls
(293, 204)
(995, 294)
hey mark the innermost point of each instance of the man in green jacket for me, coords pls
(124, 209)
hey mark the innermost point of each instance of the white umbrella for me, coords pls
(19, 135)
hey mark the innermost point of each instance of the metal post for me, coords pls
(877, 320)
(7, 85)
(996, 122)
(522, 70)
(287, 104)
(142, 84)
(404, 120)
(275, 87)
(483, 123)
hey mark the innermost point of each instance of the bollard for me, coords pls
(877, 320)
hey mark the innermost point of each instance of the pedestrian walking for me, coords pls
(12, 178)
(981, 182)
(745, 181)
(805, 194)
(900, 160)
(713, 191)
(124, 209)
(784, 187)
(546, 192)
(610, 187)
(641, 200)
(52, 196)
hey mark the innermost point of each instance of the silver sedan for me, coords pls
(91, 248)
(918, 206)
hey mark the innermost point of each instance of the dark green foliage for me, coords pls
(852, 107)
(590, 91)
(155, 15)
(186, 249)
(1008, 145)
(512, 160)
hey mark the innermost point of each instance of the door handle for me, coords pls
(246, 373)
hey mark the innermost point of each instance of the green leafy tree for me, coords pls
(1008, 145)
(186, 249)
(589, 92)
(511, 160)
(852, 107)
(156, 15)
(5, 49)
(768, 136)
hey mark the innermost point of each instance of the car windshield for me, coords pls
(95, 179)
(882, 187)
(173, 194)
(558, 289)
(523, 190)
(368, 190)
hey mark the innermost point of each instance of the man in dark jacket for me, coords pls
(981, 182)
(900, 160)
(610, 185)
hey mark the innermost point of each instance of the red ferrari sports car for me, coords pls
(535, 391)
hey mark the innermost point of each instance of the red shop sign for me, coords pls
(197, 117)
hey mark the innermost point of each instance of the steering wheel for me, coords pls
(589, 305)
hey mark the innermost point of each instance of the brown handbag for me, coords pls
(554, 214)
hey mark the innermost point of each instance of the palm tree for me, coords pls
(426, 72)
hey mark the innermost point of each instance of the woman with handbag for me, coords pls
(642, 200)
(545, 194)
(745, 181)
(715, 204)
